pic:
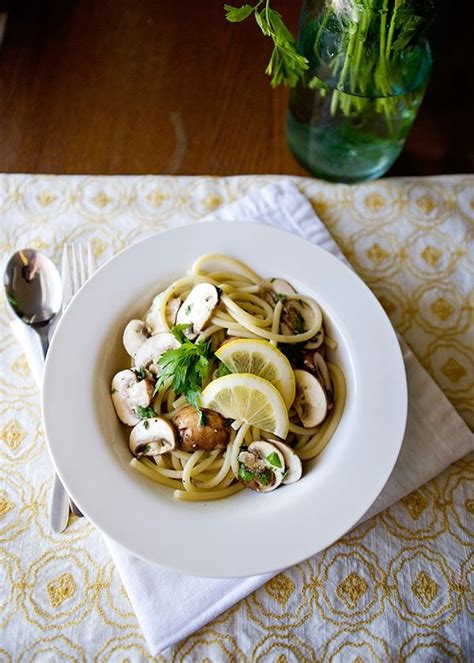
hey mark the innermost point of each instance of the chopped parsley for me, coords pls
(285, 474)
(146, 423)
(188, 309)
(245, 474)
(299, 323)
(202, 418)
(145, 412)
(281, 297)
(185, 368)
(274, 459)
(265, 477)
(146, 449)
(223, 370)
(140, 372)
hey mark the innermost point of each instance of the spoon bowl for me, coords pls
(33, 287)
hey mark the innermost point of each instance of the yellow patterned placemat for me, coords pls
(397, 588)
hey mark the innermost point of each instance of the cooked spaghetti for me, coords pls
(230, 386)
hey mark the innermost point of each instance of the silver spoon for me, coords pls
(34, 291)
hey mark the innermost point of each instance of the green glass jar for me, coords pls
(369, 64)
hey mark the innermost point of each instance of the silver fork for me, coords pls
(76, 268)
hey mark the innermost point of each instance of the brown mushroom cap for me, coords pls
(192, 436)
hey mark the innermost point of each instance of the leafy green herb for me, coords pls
(245, 474)
(281, 297)
(178, 332)
(140, 372)
(185, 368)
(223, 370)
(265, 477)
(274, 459)
(146, 423)
(202, 418)
(286, 64)
(145, 413)
(299, 323)
(285, 474)
(238, 14)
(188, 309)
(146, 449)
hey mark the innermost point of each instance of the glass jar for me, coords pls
(369, 65)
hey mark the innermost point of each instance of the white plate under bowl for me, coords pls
(247, 533)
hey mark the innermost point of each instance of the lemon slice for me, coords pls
(250, 399)
(263, 359)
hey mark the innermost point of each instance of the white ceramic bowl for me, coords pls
(247, 533)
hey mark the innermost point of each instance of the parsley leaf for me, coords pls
(145, 412)
(237, 14)
(265, 477)
(286, 64)
(143, 452)
(223, 370)
(281, 298)
(245, 474)
(178, 332)
(140, 372)
(274, 459)
(185, 368)
(299, 323)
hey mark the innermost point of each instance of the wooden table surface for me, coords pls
(169, 87)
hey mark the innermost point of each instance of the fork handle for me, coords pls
(58, 506)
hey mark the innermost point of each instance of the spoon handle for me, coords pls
(43, 333)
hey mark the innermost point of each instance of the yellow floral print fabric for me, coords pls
(399, 587)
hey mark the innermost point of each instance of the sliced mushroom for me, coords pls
(153, 317)
(274, 290)
(261, 466)
(315, 342)
(197, 308)
(150, 352)
(128, 393)
(200, 430)
(152, 437)
(293, 465)
(140, 394)
(134, 335)
(322, 372)
(311, 403)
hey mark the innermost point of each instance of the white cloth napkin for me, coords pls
(170, 606)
